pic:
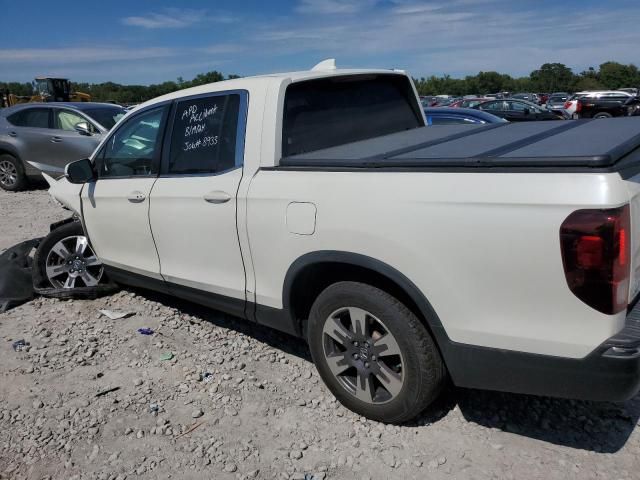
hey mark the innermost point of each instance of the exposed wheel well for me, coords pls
(314, 278)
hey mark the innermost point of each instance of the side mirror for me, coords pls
(80, 171)
(83, 129)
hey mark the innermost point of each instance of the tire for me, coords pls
(12, 176)
(54, 268)
(603, 115)
(349, 358)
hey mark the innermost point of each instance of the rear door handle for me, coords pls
(136, 197)
(217, 197)
(13, 134)
(56, 139)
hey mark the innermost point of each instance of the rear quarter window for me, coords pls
(334, 111)
(30, 117)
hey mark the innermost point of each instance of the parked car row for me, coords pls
(554, 106)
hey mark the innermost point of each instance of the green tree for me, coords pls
(552, 77)
(615, 75)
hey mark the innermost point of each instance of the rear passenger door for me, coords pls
(193, 202)
(31, 131)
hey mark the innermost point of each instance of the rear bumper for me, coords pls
(610, 373)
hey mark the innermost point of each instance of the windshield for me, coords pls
(106, 116)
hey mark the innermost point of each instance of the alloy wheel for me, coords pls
(363, 355)
(8, 173)
(72, 263)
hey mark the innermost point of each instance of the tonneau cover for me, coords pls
(595, 144)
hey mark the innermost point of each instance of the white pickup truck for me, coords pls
(318, 203)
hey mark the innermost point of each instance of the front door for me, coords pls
(116, 206)
(193, 202)
(67, 145)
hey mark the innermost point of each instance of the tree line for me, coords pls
(125, 94)
(550, 77)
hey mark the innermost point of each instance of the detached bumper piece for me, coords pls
(610, 373)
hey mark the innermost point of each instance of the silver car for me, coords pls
(51, 135)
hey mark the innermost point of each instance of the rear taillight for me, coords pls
(595, 257)
(567, 105)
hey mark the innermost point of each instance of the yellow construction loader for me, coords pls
(46, 89)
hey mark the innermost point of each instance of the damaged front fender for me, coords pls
(65, 192)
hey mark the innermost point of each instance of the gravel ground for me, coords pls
(258, 407)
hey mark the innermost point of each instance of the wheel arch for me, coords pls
(311, 273)
(6, 148)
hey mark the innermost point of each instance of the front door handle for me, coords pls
(136, 197)
(217, 197)
(56, 139)
(13, 134)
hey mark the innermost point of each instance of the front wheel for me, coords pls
(65, 260)
(373, 353)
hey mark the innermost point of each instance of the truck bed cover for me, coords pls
(592, 145)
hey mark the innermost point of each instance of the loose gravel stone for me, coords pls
(197, 413)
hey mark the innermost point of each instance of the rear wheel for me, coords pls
(12, 176)
(603, 115)
(64, 259)
(373, 353)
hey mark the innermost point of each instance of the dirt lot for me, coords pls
(261, 412)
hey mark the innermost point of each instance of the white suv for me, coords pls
(571, 104)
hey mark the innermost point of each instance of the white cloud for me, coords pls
(174, 18)
(458, 37)
(82, 54)
(222, 48)
(334, 7)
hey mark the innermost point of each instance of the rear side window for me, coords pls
(30, 117)
(204, 135)
(328, 112)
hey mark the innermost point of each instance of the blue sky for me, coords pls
(145, 41)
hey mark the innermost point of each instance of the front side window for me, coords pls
(495, 106)
(134, 148)
(106, 116)
(67, 120)
(517, 106)
(204, 135)
(30, 117)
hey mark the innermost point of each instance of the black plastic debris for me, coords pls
(16, 284)
(20, 345)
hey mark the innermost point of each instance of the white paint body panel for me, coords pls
(197, 241)
(483, 248)
(118, 228)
